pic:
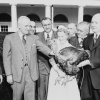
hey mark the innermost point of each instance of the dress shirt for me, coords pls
(50, 35)
(21, 36)
(80, 41)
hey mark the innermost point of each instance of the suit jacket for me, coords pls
(44, 65)
(94, 59)
(13, 56)
(74, 41)
(0, 70)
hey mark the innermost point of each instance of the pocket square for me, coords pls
(33, 44)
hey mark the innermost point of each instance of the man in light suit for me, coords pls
(44, 65)
(20, 65)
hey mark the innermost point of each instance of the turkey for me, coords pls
(73, 57)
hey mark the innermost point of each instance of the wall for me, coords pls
(70, 12)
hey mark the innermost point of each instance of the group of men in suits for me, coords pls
(26, 57)
(90, 83)
(93, 87)
(20, 59)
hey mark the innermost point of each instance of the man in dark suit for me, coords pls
(93, 45)
(44, 65)
(72, 29)
(20, 60)
(82, 32)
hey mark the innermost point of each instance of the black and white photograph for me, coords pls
(49, 49)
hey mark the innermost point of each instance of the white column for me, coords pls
(48, 11)
(80, 13)
(14, 17)
(52, 15)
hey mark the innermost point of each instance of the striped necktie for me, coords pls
(23, 40)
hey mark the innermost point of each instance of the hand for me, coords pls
(10, 79)
(55, 46)
(65, 81)
(88, 52)
(51, 53)
(84, 63)
(1, 79)
(58, 79)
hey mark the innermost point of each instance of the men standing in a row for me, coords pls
(44, 65)
(21, 68)
(92, 43)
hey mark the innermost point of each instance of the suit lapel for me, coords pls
(43, 38)
(17, 42)
(91, 42)
(97, 42)
(53, 35)
(29, 41)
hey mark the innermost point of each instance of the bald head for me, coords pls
(95, 23)
(23, 19)
(96, 17)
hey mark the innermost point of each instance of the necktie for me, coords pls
(48, 40)
(80, 42)
(95, 38)
(48, 37)
(24, 40)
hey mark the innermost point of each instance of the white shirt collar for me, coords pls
(20, 35)
(96, 35)
(50, 34)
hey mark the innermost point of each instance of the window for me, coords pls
(60, 18)
(4, 28)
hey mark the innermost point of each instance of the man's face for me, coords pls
(95, 24)
(81, 31)
(71, 29)
(47, 26)
(33, 28)
(24, 26)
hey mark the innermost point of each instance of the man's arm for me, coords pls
(7, 58)
(42, 47)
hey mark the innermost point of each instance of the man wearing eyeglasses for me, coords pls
(20, 60)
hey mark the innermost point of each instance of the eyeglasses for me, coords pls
(32, 26)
